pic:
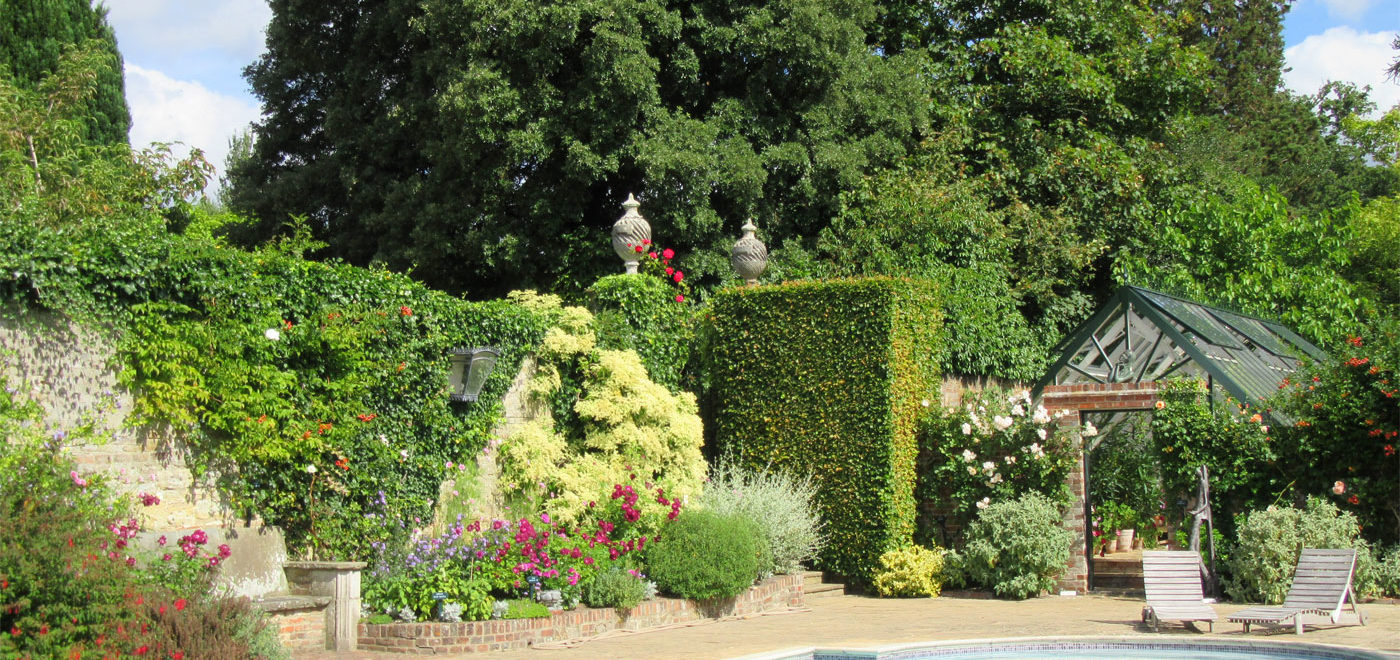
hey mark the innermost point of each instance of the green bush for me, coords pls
(706, 555)
(518, 608)
(1017, 548)
(640, 312)
(1260, 568)
(829, 377)
(1387, 574)
(615, 588)
(911, 571)
(780, 503)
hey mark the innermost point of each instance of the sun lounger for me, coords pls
(1172, 580)
(1321, 588)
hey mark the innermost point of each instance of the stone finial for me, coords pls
(749, 256)
(628, 234)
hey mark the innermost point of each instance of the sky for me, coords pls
(185, 60)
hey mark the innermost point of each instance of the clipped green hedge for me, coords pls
(831, 377)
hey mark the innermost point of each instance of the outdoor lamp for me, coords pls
(470, 367)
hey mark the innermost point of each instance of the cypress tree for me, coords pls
(34, 33)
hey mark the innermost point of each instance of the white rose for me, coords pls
(1002, 423)
(984, 503)
(1089, 430)
(968, 456)
(996, 479)
(311, 469)
(1018, 411)
(272, 334)
(989, 467)
(972, 470)
(1041, 433)
(1041, 416)
(966, 428)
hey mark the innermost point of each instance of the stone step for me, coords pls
(1117, 581)
(815, 586)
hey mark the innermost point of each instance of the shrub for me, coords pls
(994, 447)
(707, 555)
(1017, 548)
(867, 354)
(1270, 540)
(1387, 574)
(911, 571)
(610, 424)
(615, 588)
(780, 503)
(518, 608)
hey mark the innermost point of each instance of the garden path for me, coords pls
(855, 621)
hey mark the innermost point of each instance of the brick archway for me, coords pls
(1079, 399)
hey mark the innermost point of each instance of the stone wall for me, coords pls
(774, 594)
(69, 371)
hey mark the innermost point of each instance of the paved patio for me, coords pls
(855, 621)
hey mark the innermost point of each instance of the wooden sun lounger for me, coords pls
(1172, 580)
(1321, 588)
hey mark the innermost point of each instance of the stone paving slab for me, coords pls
(857, 621)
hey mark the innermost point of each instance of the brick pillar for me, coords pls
(1076, 575)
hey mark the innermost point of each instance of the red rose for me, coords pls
(1354, 499)
(180, 604)
(668, 253)
(680, 298)
(678, 276)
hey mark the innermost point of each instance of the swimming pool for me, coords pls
(1088, 648)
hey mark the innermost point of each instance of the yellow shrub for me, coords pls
(635, 431)
(910, 571)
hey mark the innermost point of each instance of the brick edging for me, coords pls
(776, 593)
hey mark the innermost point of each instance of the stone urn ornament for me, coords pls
(630, 232)
(749, 256)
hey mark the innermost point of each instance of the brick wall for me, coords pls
(774, 594)
(302, 629)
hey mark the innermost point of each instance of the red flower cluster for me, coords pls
(366, 417)
(405, 311)
(1358, 362)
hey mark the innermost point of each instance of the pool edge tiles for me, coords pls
(970, 648)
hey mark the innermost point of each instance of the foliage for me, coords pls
(525, 609)
(476, 159)
(615, 588)
(73, 584)
(707, 555)
(780, 503)
(476, 563)
(1017, 548)
(1262, 562)
(1374, 264)
(991, 449)
(1387, 573)
(1345, 429)
(645, 314)
(611, 424)
(911, 571)
(828, 377)
(1125, 474)
(1231, 439)
(34, 38)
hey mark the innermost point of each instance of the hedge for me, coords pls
(831, 377)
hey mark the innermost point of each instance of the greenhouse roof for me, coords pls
(1145, 336)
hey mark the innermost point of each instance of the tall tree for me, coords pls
(33, 36)
(488, 144)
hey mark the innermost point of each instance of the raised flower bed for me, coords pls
(774, 594)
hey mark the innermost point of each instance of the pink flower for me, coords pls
(670, 271)
(1339, 487)
(77, 480)
(668, 253)
(680, 298)
(678, 276)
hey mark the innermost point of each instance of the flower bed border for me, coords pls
(776, 593)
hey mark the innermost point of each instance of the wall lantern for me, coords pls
(470, 367)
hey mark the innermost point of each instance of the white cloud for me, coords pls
(167, 110)
(1351, 10)
(1342, 53)
(231, 27)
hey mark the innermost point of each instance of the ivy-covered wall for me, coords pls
(315, 391)
(831, 377)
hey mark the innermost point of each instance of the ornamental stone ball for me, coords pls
(629, 232)
(749, 256)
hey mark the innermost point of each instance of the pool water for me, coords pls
(1090, 649)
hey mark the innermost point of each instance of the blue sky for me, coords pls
(185, 58)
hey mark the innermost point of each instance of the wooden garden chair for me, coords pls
(1321, 588)
(1172, 580)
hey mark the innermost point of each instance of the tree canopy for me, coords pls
(34, 34)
